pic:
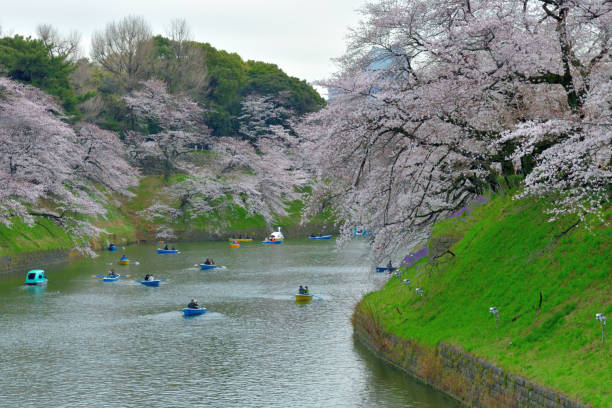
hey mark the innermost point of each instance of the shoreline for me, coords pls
(464, 377)
(24, 261)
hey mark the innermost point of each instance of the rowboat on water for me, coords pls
(303, 297)
(234, 244)
(206, 266)
(154, 282)
(124, 261)
(381, 269)
(268, 241)
(112, 248)
(167, 251)
(320, 237)
(36, 277)
(194, 312)
(110, 278)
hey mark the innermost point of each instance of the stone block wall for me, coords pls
(32, 260)
(470, 380)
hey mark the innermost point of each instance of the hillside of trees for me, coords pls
(78, 135)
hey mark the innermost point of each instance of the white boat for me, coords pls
(276, 235)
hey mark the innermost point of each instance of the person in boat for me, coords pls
(124, 258)
(111, 245)
(390, 265)
(207, 261)
(194, 304)
(240, 236)
(306, 290)
(173, 248)
(248, 237)
(301, 290)
(312, 235)
(112, 274)
(149, 277)
(166, 247)
(212, 262)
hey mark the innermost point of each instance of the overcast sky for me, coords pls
(299, 36)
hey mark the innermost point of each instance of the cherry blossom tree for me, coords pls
(166, 127)
(430, 91)
(47, 169)
(260, 172)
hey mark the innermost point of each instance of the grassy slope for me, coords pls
(507, 255)
(43, 236)
(124, 223)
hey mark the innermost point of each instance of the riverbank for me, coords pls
(23, 246)
(547, 279)
(470, 380)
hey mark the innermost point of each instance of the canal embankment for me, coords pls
(470, 380)
(547, 279)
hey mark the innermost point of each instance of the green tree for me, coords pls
(30, 60)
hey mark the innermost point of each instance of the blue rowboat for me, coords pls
(272, 242)
(110, 279)
(381, 269)
(321, 237)
(150, 283)
(36, 277)
(167, 251)
(194, 312)
(112, 248)
(205, 266)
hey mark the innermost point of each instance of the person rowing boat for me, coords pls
(194, 304)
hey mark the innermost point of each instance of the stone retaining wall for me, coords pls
(472, 381)
(32, 260)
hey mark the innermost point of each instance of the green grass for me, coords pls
(509, 253)
(42, 236)
(123, 223)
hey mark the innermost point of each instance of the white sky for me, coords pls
(299, 36)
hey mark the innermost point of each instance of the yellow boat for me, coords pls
(234, 244)
(303, 298)
(124, 262)
(241, 239)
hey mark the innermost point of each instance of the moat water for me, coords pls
(80, 342)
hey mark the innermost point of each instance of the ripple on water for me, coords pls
(80, 342)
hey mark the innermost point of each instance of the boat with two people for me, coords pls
(149, 280)
(303, 294)
(194, 309)
(166, 250)
(234, 244)
(208, 264)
